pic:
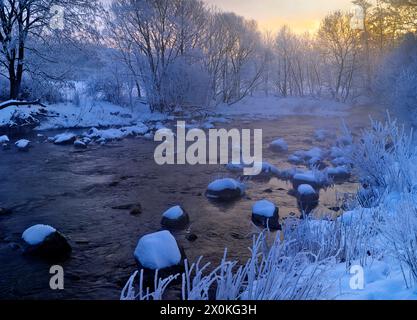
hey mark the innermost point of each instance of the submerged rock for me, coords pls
(175, 218)
(46, 242)
(5, 211)
(225, 190)
(266, 214)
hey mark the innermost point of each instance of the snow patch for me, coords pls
(37, 234)
(264, 208)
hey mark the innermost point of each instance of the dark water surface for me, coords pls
(74, 191)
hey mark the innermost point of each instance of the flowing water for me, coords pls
(75, 191)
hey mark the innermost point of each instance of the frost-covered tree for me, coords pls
(396, 82)
(339, 44)
(23, 22)
(155, 36)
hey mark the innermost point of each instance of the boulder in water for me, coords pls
(225, 190)
(175, 218)
(266, 214)
(46, 242)
(308, 198)
(23, 145)
(159, 251)
(64, 138)
(279, 146)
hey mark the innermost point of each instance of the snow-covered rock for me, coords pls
(4, 139)
(268, 171)
(317, 163)
(295, 159)
(46, 242)
(37, 234)
(266, 214)
(139, 129)
(235, 167)
(340, 173)
(314, 153)
(225, 189)
(322, 135)
(80, 144)
(23, 145)
(64, 138)
(316, 178)
(341, 161)
(308, 198)
(116, 134)
(158, 251)
(175, 218)
(279, 145)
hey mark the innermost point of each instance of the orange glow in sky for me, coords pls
(300, 15)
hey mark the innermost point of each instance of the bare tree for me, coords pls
(340, 47)
(22, 20)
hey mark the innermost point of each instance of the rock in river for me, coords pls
(175, 218)
(266, 214)
(308, 198)
(225, 190)
(46, 242)
(23, 145)
(159, 251)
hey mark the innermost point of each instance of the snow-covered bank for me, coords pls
(103, 114)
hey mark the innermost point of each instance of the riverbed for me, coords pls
(76, 190)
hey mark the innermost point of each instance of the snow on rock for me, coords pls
(175, 218)
(64, 138)
(158, 251)
(306, 189)
(23, 145)
(225, 189)
(322, 135)
(139, 129)
(264, 208)
(308, 198)
(316, 179)
(266, 214)
(268, 171)
(295, 159)
(4, 139)
(279, 145)
(339, 173)
(235, 167)
(341, 161)
(336, 152)
(37, 234)
(116, 134)
(314, 153)
(80, 144)
(46, 242)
